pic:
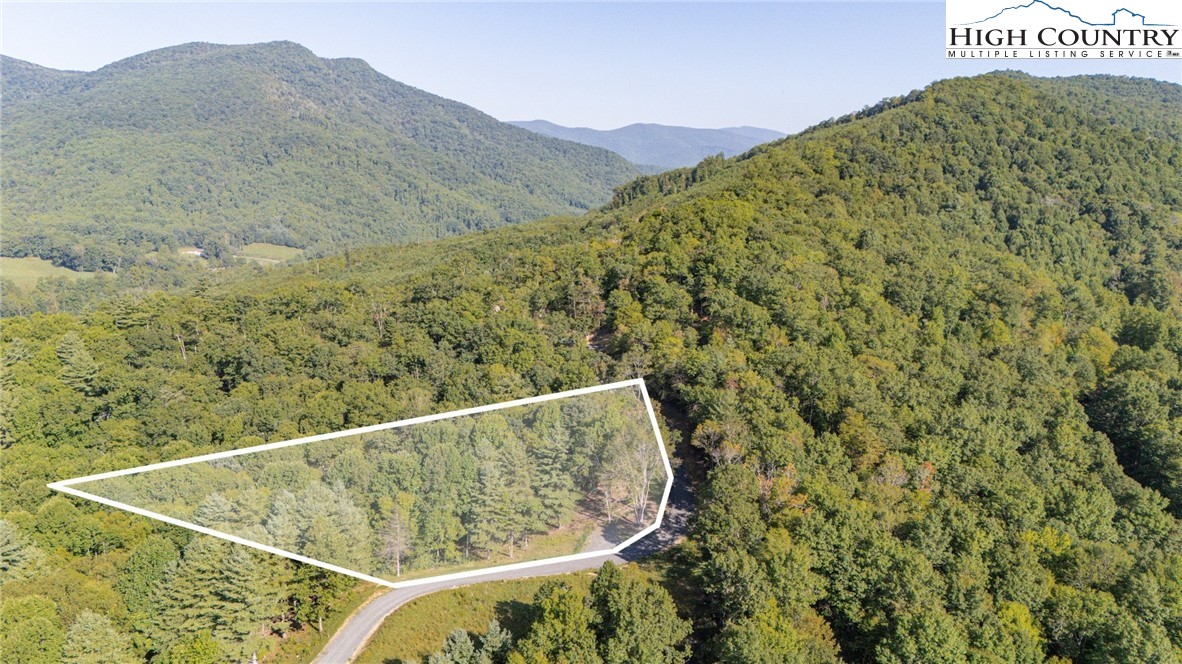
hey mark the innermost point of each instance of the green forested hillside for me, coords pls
(929, 355)
(25, 80)
(221, 146)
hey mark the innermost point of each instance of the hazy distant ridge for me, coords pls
(660, 145)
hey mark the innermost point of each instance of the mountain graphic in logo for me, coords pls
(1123, 15)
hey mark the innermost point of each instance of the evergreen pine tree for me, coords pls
(19, 558)
(487, 525)
(187, 598)
(247, 594)
(553, 481)
(519, 509)
(357, 546)
(324, 541)
(316, 591)
(140, 576)
(79, 369)
(317, 588)
(215, 512)
(93, 639)
(495, 645)
(282, 522)
(457, 649)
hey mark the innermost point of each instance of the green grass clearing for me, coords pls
(190, 251)
(263, 252)
(25, 272)
(417, 630)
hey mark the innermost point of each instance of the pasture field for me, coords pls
(25, 272)
(263, 252)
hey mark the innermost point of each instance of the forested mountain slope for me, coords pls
(25, 80)
(657, 145)
(929, 353)
(220, 146)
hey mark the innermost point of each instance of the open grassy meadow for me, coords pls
(262, 252)
(25, 272)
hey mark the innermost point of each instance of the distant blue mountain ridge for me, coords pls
(657, 147)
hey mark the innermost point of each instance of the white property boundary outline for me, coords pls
(66, 486)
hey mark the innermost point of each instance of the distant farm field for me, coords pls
(26, 271)
(263, 252)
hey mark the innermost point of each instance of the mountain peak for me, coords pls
(196, 52)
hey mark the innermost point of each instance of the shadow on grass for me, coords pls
(515, 616)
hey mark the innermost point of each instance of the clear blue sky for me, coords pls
(778, 65)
